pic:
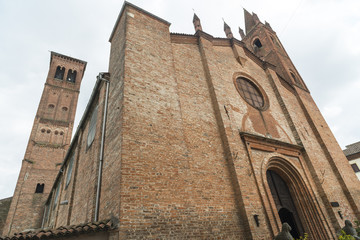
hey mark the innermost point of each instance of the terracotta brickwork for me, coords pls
(185, 155)
(89, 230)
(48, 143)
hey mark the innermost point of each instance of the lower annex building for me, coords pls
(352, 153)
(186, 136)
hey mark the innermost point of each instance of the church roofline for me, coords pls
(219, 41)
(69, 58)
(66, 57)
(351, 149)
(66, 231)
(126, 3)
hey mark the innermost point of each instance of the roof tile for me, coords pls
(47, 233)
(352, 149)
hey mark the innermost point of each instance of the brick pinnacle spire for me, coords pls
(196, 22)
(227, 30)
(242, 34)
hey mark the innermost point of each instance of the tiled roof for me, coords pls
(352, 149)
(66, 231)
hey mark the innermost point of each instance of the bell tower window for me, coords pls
(39, 188)
(71, 77)
(257, 43)
(295, 78)
(59, 74)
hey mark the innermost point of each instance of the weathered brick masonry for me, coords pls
(205, 138)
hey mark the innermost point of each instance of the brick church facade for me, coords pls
(186, 136)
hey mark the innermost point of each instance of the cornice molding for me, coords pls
(270, 145)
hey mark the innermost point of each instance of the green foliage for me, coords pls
(357, 228)
(343, 236)
(303, 238)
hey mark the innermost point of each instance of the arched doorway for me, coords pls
(284, 203)
(287, 216)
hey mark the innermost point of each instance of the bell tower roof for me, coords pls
(250, 20)
(195, 17)
(65, 57)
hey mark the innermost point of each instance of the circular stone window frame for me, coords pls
(258, 87)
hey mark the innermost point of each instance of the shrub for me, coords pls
(343, 236)
(303, 238)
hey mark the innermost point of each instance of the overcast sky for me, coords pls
(320, 36)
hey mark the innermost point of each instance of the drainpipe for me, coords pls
(101, 156)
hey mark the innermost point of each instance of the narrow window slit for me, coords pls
(39, 188)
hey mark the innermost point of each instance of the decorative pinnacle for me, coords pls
(195, 18)
(268, 25)
(242, 34)
(255, 17)
(249, 21)
(227, 30)
(226, 26)
(196, 22)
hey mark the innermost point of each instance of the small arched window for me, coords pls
(71, 77)
(257, 43)
(295, 78)
(92, 127)
(69, 170)
(59, 74)
(56, 198)
(39, 188)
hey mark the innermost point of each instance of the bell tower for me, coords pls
(263, 42)
(49, 140)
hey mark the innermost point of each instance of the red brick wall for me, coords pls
(180, 146)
